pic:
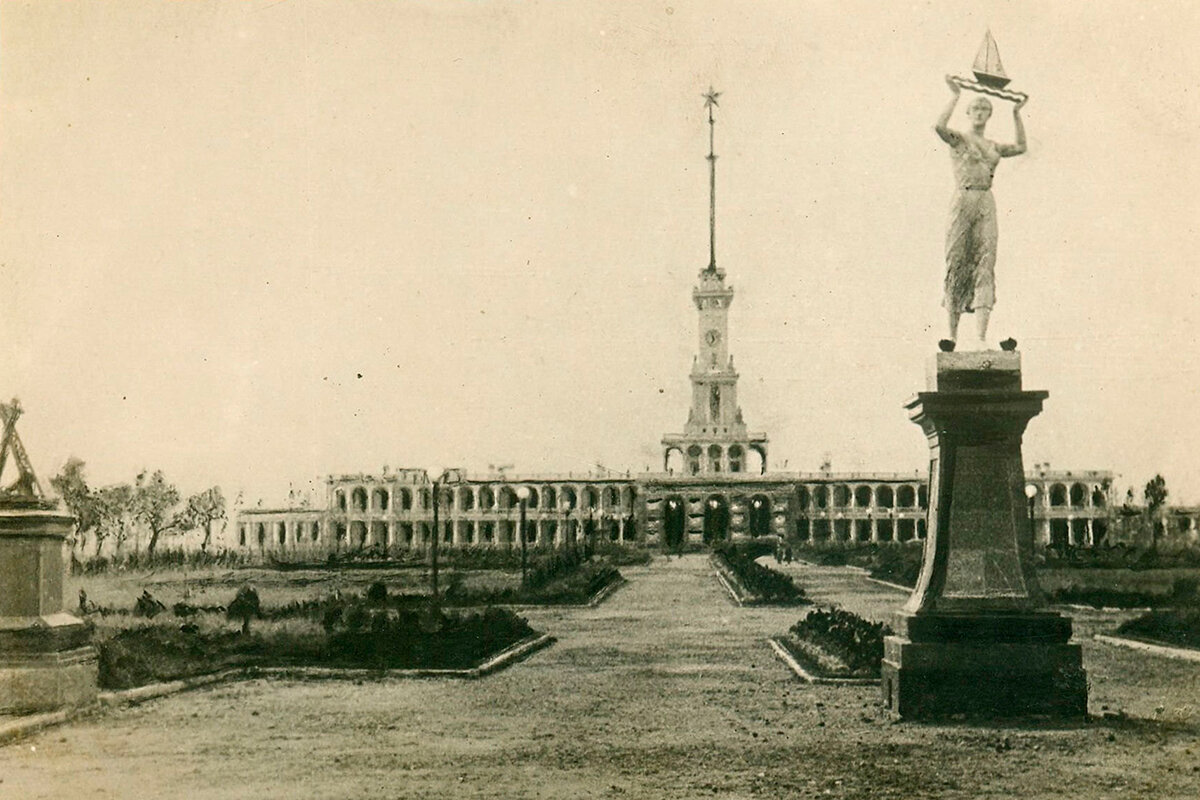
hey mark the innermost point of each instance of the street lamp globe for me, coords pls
(522, 493)
(1031, 490)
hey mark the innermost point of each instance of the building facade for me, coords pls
(393, 511)
(715, 485)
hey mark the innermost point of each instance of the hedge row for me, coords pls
(766, 584)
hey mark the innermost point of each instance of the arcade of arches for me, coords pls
(395, 511)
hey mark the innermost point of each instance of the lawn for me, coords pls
(217, 586)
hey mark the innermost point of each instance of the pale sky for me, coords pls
(255, 243)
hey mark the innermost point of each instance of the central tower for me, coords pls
(715, 437)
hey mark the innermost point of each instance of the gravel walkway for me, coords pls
(665, 690)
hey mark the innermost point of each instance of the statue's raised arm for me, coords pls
(1009, 150)
(942, 125)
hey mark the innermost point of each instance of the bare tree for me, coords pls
(154, 504)
(1155, 495)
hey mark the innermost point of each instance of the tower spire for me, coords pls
(710, 102)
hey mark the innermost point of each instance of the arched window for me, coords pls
(466, 498)
(508, 498)
(862, 497)
(906, 498)
(569, 499)
(841, 495)
(591, 498)
(821, 496)
(1079, 495)
(281, 532)
(737, 458)
(694, 455)
(549, 498)
(1058, 495)
(1099, 500)
(405, 500)
(923, 496)
(714, 458)
(358, 499)
(803, 498)
(884, 497)
(379, 500)
(487, 499)
(262, 534)
(340, 497)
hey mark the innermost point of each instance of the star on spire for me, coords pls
(710, 98)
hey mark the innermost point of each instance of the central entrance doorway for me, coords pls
(716, 519)
(674, 523)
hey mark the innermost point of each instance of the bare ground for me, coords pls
(665, 690)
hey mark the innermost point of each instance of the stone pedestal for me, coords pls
(974, 637)
(46, 659)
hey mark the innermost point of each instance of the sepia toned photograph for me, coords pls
(448, 399)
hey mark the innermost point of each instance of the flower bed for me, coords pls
(837, 643)
(753, 582)
(1179, 627)
(342, 633)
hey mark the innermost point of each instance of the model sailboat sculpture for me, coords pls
(990, 77)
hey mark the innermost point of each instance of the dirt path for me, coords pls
(665, 690)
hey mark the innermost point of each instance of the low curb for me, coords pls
(504, 658)
(605, 591)
(1102, 609)
(20, 728)
(599, 597)
(734, 597)
(1166, 651)
(31, 724)
(794, 665)
(897, 586)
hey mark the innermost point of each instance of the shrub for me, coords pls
(377, 594)
(159, 559)
(898, 563)
(147, 606)
(245, 605)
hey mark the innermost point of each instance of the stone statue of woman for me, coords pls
(971, 237)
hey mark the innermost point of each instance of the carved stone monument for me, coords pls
(975, 637)
(46, 659)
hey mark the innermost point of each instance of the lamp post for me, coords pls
(564, 508)
(433, 545)
(523, 499)
(710, 522)
(1031, 491)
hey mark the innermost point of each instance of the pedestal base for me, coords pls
(46, 664)
(48, 681)
(993, 665)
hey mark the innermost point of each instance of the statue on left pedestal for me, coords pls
(25, 490)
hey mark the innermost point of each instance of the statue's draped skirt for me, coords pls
(971, 252)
